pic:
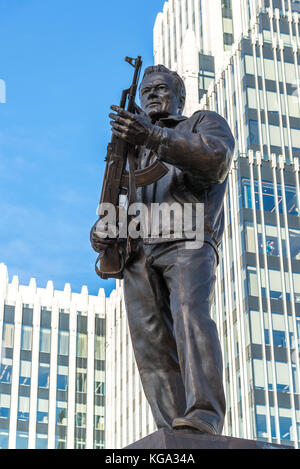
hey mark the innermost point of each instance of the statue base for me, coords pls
(167, 439)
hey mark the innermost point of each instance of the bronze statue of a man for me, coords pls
(169, 287)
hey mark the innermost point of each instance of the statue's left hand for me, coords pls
(134, 128)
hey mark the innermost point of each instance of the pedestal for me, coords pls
(167, 439)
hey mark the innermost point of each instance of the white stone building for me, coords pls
(241, 59)
(52, 366)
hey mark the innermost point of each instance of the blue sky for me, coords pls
(63, 65)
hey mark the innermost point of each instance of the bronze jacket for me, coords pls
(198, 153)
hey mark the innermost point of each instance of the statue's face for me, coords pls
(159, 97)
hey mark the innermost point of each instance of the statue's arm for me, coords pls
(205, 153)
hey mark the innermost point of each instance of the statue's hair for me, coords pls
(180, 86)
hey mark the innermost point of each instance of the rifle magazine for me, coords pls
(110, 263)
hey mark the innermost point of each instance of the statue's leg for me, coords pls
(190, 276)
(150, 324)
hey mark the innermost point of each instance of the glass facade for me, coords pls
(256, 88)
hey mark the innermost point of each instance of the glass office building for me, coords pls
(128, 414)
(52, 367)
(257, 297)
(240, 58)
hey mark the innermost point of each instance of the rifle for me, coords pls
(118, 181)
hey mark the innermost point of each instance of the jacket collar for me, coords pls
(170, 121)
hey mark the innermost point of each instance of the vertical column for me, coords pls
(261, 311)
(198, 21)
(293, 310)
(123, 373)
(72, 378)
(264, 92)
(237, 252)
(172, 34)
(34, 374)
(110, 376)
(277, 77)
(239, 102)
(289, 142)
(2, 301)
(130, 386)
(267, 286)
(90, 378)
(53, 376)
(230, 325)
(178, 35)
(166, 35)
(15, 374)
(296, 21)
(254, 41)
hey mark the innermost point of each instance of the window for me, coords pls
(295, 134)
(99, 347)
(269, 67)
(99, 388)
(227, 25)
(279, 338)
(99, 382)
(251, 93)
(99, 419)
(272, 242)
(275, 135)
(60, 442)
(79, 444)
(41, 441)
(42, 411)
(3, 439)
(9, 313)
(252, 281)
(293, 105)
(81, 345)
(26, 339)
(8, 335)
(253, 129)
(45, 340)
(21, 440)
(286, 38)
(291, 201)
(80, 419)
(268, 196)
(267, 35)
(272, 102)
(261, 423)
(62, 378)
(61, 413)
(205, 79)
(23, 408)
(5, 370)
(63, 342)
(44, 375)
(290, 73)
(81, 380)
(228, 40)
(4, 405)
(249, 63)
(285, 424)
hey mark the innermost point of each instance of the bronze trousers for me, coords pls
(168, 294)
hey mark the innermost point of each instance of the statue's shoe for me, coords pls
(191, 425)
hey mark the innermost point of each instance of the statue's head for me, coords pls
(162, 92)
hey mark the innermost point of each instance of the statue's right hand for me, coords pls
(98, 238)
